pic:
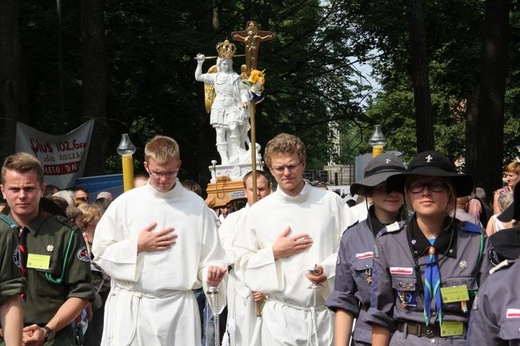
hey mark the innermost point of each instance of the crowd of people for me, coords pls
(421, 260)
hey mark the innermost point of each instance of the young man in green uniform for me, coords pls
(54, 259)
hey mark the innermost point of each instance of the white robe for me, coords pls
(241, 305)
(151, 300)
(293, 314)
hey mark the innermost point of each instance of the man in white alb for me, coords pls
(241, 300)
(157, 243)
(293, 230)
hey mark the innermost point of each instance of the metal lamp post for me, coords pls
(126, 149)
(377, 141)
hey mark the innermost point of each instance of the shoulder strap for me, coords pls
(8, 221)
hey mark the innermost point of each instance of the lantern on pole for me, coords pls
(377, 141)
(126, 149)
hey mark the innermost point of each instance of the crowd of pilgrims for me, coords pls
(417, 246)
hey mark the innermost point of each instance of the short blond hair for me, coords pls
(161, 149)
(22, 163)
(513, 167)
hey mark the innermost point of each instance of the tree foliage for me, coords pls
(313, 89)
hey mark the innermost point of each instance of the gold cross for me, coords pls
(252, 37)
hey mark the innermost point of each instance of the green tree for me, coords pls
(9, 68)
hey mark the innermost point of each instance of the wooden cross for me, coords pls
(252, 37)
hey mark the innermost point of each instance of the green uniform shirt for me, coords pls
(58, 267)
(11, 281)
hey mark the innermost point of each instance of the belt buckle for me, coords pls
(429, 332)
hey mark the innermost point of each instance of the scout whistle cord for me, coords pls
(48, 276)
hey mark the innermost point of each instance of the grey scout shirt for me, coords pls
(495, 319)
(396, 274)
(354, 275)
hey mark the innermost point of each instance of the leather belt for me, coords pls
(419, 329)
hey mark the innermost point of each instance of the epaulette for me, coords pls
(392, 228)
(8, 221)
(471, 227)
(354, 224)
(501, 265)
(62, 219)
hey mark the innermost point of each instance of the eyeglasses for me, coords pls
(167, 175)
(81, 198)
(281, 169)
(434, 186)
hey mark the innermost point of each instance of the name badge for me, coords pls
(401, 270)
(452, 328)
(454, 294)
(38, 261)
(513, 313)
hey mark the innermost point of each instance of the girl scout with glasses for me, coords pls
(428, 269)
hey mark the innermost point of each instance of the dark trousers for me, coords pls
(95, 326)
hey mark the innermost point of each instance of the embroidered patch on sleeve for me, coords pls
(83, 254)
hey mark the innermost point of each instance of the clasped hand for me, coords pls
(33, 335)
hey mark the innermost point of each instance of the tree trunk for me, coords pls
(420, 79)
(490, 130)
(471, 154)
(94, 83)
(9, 63)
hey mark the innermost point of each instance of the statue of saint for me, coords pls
(229, 99)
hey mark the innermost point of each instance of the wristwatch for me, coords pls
(49, 335)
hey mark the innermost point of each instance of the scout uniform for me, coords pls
(55, 260)
(495, 319)
(397, 300)
(11, 281)
(356, 252)
(354, 277)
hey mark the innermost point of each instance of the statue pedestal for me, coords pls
(233, 171)
(223, 191)
(226, 183)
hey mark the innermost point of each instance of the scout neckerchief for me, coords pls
(445, 241)
(22, 245)
(432, 284)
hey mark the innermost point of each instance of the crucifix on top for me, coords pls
(252, 37)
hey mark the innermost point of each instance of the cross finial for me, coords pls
(252, 37)
(429, 158)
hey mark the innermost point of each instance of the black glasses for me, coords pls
(433, 186)
(81, 198)
(281, 169)
(167, 175)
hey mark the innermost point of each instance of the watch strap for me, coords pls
(49, 335)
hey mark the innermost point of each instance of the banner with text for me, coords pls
(63, 156)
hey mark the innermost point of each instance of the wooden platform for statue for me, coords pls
(223, 191)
